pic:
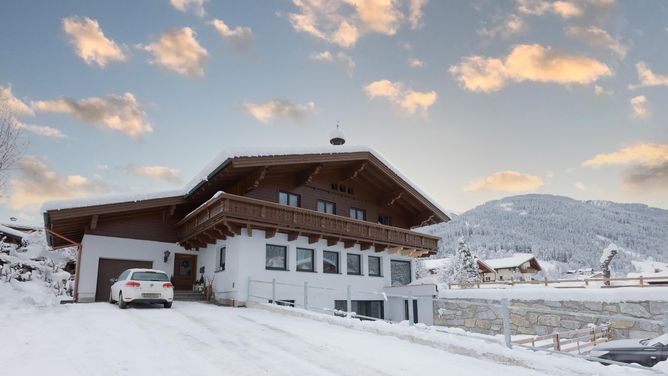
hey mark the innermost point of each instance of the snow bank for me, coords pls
(17, 295)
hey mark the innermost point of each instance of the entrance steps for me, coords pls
(189, 296)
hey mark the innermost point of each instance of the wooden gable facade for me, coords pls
(252, 186)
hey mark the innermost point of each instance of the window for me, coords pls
(330, 262)
(384, 219)
(354, 264)
(369, 308)
(305, 260)
(289, 199)
(277, 257)
(401, 272)
(123, 275)
(150, 276)
(221, 259)
(415, 310)
(326, 207)
(283, 302)
(358, 214)
(374, 266)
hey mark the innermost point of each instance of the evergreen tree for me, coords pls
(465, 267)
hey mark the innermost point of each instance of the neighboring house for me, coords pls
(523, 265)
(12, 235)
(333, 217)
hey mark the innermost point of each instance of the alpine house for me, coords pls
(333, 217)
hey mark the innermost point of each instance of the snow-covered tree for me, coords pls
(10, 148)
(465, 268)
(608, 253)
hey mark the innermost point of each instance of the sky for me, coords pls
(473, 101)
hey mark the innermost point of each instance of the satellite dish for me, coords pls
(336, 136)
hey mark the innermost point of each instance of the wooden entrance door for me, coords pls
(185, 271)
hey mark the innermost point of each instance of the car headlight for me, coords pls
(598, 353)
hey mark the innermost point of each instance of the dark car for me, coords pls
(646, 352)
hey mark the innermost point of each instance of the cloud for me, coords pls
(196, 6)
(408, 100)
(527, 62)
(13, 104)
(41, 130)
(596, 36)
(241, 36)
(646, 165)
(510, 26)
(120, 113)
(640, 154)
(648, 78)
(600, 90)
(267, 111)
(565, 9)
(342, 60)
(36, 184)
(343, 22)
(506, 181)
(587, 188)
(415, 63)
(90, 43)
(167, 174)
(639, 109)
(179, 51)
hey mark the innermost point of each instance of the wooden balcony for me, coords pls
(226, 214)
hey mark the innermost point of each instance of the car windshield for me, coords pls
(149, 276)
(658, 340)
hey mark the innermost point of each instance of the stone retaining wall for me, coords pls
(488, 320)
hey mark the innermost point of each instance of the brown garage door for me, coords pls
(111, 268)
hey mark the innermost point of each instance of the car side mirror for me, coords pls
(113, 280)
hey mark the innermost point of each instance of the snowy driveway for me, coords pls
(200, 339)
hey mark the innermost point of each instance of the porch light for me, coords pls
(166, 256)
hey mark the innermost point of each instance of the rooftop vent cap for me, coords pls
(336, 136)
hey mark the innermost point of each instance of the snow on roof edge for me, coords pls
(11, 231)
(111, 199)
(516, 259)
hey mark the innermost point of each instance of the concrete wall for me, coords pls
(488, 320)
(95, 247)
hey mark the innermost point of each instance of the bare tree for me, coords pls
(10, 146)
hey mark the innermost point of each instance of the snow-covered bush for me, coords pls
(465, 267)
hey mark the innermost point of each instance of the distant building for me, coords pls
(433, 266)
(523, 266)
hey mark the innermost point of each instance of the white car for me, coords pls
(142, 286)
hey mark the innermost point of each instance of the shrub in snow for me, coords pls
(465, 268)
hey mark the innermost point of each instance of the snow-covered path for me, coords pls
(200, 339)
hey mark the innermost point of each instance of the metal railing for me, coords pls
(643, 281)
(600, 334)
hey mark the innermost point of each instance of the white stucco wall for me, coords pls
(95, 247)
(245, 257)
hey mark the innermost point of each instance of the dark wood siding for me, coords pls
(156, 226)
(320, 188)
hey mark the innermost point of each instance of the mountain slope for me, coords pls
(569, 233)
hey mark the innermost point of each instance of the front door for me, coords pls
(184, 271)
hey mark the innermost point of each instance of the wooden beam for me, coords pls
(93, 222)
(249, 229)
(293, 235)
(332, 241)
(392, 250)
(348, 243)
(233, 228)
(365, 246)
(269, 233)
(407, 251)
(313, 238)
(379, 247)
(426, 218)
(307, 175)
(354, 171)
(171, 210)
(250, 181)
(392, 197)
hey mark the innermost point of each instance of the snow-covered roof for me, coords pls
(220, 161)
(431, 264)
(514, 261)
(10, 231)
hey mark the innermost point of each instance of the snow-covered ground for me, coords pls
(199, 339)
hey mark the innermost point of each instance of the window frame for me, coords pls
(380, 266)
(312, 270)
(285, 258)
(289, 194)
(410, 271)
(359, 259)
(222, 258)
(388, 217)
(338, 262)
(325, 202)
(357, 211)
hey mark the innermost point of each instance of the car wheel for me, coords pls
(111, 299)
(121, 303)
(168, 305)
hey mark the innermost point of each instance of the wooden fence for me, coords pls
(580, 340)
(573, 283)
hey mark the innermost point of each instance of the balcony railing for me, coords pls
(228, 208)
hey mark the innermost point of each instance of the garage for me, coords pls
(111, 268)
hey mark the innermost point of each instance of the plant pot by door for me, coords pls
(185, 271)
